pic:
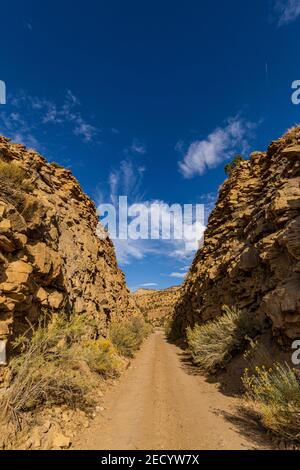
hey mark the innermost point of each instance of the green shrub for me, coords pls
(233, 164)
(56, 165)
(128, 336)
(275, 395)
(213, 344)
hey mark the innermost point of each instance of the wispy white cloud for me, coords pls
(146, 285)
(287, 11)
(220, 144)
(185, 268)
(85, 130)
(178, 275)
(128, 250)
(137, 147)
(68, 113)
(127, 181)
(28, 117)
(149, 284)
(18, 129)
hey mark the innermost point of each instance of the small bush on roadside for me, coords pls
(128, 336)
(99, 355)
(275, 395)
(168, 327)
(213, 344)
(49, 370)
(140, 327)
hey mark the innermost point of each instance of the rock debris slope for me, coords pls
(50, 255)
(251, 253)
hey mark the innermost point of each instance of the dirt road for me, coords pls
(157, 404)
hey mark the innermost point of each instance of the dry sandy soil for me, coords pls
(161, 403)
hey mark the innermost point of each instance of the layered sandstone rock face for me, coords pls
(157, 305)
(50, 256)
(251, 253)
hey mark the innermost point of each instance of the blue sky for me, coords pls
(153, 95)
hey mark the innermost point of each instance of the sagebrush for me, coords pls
(274, 393)
(128, 336)
(213, 343)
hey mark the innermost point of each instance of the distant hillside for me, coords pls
(157, 305)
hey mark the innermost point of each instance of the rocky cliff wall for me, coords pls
(50, 256)
(251, 253)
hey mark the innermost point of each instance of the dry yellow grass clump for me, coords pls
(128, 336)
(213, 343)
(275, 395)
(12, 172)
(14, 177)
(55, 366)
(61, 361)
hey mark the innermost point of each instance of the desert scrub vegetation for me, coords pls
(214, 343)
(127, 336)
(172, 329)
(274, 394)
(56, 366)
(168, 323)
(57, 165)
(233, 164)
(12, 172)
(14, 182)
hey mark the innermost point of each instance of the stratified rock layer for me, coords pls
(50, 255)
(251, 252)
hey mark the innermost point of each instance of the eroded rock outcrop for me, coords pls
(251, 252)
(50, 256)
